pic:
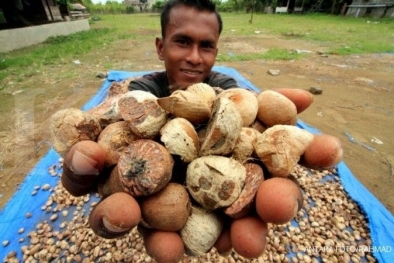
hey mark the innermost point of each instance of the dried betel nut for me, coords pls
(145, 167)
(280, 148)
(69, 126)
(215, 181)
(180, 138)
(223, 129)
(114, 138)
(245, 201)
(202, 229)
(141, 110)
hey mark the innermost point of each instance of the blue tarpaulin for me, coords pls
(13, 215)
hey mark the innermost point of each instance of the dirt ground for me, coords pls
(357, 98)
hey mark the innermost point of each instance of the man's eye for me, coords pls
(182, 42)
(207, 45)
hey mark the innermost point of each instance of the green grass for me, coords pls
(271, 54)
(343, 35)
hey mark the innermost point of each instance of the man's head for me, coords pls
(190, 35)
(201, 5)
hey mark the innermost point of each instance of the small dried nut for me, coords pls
(141, 110)
(180, 138)
(69, 126)
(144, 167)
(223, 129)
(188, 105)
(201, 231)
(243, 204)
(215, 181)
(281, 146)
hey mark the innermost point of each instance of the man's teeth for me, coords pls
(191, 72)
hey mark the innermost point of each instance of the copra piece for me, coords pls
(280, 148)
(202, 229)
(215, 181)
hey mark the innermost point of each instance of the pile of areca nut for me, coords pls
(203, 175)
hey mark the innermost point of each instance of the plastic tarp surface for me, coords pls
(13, 215)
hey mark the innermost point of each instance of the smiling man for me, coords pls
(190, 34)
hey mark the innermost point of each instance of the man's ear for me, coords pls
(159, 48)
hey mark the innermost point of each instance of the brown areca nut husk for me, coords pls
(223, 129)
(245, 101)
(119, 87)
(71, 125)
(114, 138)
(243, 148)
(90, 158)
(107, 111)
(168, 209)
(275, 108)
(141, 110)
(180, 138)
(110, 185)
(215, 181)
(202, 229)
(144, 167)
(115, 216)
(244, 204)
(188, 105)
(204, 91)
(280, 148)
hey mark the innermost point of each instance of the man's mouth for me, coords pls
(189, 72)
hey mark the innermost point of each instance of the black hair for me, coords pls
(202, 5)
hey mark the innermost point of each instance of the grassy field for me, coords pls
(344, 36)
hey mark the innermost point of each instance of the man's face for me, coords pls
(189, 48)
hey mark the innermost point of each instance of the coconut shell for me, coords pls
(223, 128)
(180, 138)
(215, 181)
(144, 167)
(245, 101)
(141, 110)
(69, 126)
(186, 105)
(201, 231)
(281, 146)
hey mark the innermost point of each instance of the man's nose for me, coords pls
(194, 55)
